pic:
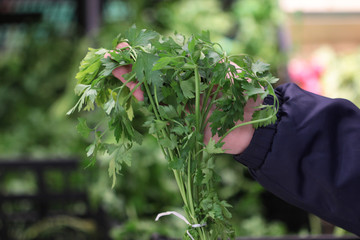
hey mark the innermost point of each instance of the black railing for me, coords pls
(53, 208)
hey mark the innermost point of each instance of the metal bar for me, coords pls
(20, 18)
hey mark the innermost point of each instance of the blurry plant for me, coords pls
(258, 29)
(14, 184)
(50, 227)
(331, 74)
(34, 80)
(190, 17)
(35, 91)
(244, 26)
(256, 226)
(341, 78)
(143, 189)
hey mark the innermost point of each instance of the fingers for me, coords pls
(235, 142)
(122, 45)
(120, 71)
(230, 75)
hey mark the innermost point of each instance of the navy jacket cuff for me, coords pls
(255, 154)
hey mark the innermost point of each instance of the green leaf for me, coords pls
(188, 88)
(168, 112)
(117, 40)
(108, 65)
(199, 177)
(155, 125)
(112, 171)
(140, 37)
(162, 62)
(191, 45)
(121, 125)
(224, 207)
(267, 115)
(260, 67)
(167, 142)
(90, 150)
(169, 44)
(89, 67)
(217, 120)
(251, 90)
(88, 96)
(119, 156)
(211, 147)
(270, 79)
(177, 164)
(143, 68)
(83, 128)
(80, 88)
(109, 106)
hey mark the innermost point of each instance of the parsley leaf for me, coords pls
(260, 67)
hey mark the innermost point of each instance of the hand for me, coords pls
(234, 143)
(239, 139)
(120, 71)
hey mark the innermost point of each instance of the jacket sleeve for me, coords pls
(311, 156)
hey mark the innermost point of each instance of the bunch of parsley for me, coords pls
(177, 74)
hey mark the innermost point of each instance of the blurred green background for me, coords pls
(41, 45)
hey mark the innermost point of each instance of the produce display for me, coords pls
(176, 89)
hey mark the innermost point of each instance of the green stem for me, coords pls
(151, 100)
(185, 189)
(189, 189)
(208, 108)
(179, 181)
(197, 99)
(177, 176)
(197, 157)
(132, 91)
(156, 100)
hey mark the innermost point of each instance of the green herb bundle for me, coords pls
(184, 80)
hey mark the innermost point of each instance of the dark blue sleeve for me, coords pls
(311, 156)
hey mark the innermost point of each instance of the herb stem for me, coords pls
(177, 175)
(208, 107)
(197, 99)
(189, 188)
(151, 100)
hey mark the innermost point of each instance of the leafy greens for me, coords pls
(177, 75)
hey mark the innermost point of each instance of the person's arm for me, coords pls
(311, 156)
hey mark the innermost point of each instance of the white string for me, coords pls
(182, 218)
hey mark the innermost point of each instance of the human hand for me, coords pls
(120, 71)
(239, 139)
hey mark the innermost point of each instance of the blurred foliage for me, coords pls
(37, 80)
(341, 77)
(240, 26)
(143, 190)
(244, 194)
